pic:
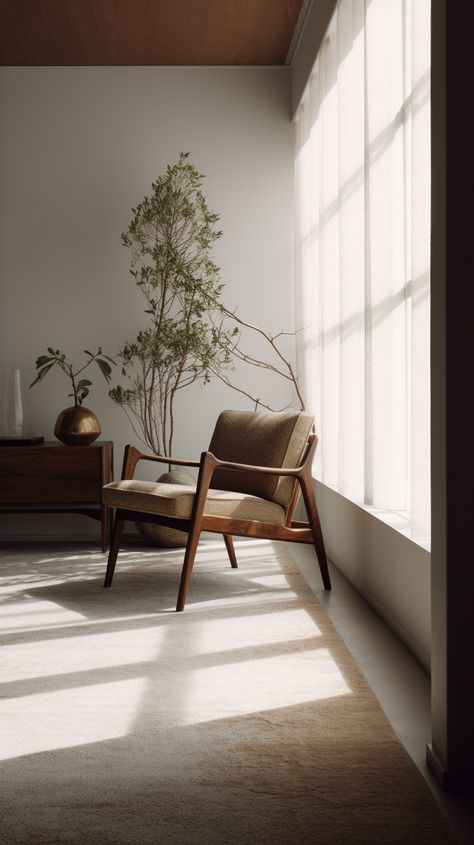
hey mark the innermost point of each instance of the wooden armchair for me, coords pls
(257, 462)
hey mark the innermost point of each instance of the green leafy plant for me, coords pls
(80, 388)
(190, 335)
(170, 237)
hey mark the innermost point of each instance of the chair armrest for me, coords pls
(302, 471)
(133, 455)
(217, 464)
(161, 459)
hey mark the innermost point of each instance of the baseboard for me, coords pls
(436, 767)
(460, 781)
(422, 658)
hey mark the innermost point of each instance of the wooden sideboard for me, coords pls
(53, 478)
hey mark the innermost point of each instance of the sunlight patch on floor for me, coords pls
(68, 718)
(83, 558)
(252, 686)
(84, 653)
(30, 615)
(217, 636)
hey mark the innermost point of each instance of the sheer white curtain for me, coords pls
(363, 246)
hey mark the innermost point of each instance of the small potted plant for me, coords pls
(76, 425)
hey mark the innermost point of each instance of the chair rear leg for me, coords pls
(114, 548)
(318, 542)
(229, 544)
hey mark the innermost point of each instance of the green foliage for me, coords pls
(80, 389)
(170, 238)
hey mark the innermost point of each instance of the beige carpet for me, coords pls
(242, 720)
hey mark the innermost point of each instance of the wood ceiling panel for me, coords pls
(146, 32)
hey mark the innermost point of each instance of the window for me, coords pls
(363, 248)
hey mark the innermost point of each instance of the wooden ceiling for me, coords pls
(147, 32)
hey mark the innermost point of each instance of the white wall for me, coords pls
(78, 148)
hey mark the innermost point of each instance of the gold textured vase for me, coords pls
(77, 426)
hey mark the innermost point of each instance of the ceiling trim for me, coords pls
(298, 31)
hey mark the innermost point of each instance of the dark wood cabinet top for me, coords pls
(53, 444)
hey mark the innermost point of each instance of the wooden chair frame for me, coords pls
(293, 531)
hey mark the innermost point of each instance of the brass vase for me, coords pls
(77, 426)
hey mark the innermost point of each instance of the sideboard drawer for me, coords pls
(50, 475)
(53, 477)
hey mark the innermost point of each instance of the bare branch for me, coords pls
(289, 374)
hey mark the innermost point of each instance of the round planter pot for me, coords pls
(161, 535)
(77, 426)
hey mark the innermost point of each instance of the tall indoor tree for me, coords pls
(190, 335)
(170, 236)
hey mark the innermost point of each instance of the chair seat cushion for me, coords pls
(177, 500)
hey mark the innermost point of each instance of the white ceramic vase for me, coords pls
(11, 405)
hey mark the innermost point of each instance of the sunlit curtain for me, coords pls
(363, 212)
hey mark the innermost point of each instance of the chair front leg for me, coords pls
(187, 571)
(114, 548)
(207, 467)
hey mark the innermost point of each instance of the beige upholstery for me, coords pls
(177, 500)
(261, 439)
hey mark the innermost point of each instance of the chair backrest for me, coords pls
(260, 438)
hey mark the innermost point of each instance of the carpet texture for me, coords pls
(242, 720)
